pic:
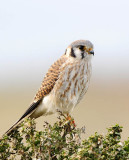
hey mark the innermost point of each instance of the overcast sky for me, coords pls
(34, 33)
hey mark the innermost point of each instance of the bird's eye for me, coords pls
(81, 48)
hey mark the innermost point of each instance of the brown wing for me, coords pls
(50, 78)
(46, 86)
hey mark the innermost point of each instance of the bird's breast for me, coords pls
(71, 86)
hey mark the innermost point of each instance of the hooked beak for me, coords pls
(91, 52)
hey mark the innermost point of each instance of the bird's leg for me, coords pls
(71, 120)
(67, 117)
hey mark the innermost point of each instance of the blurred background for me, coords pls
(33, 34)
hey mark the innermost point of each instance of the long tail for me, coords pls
(28, 112)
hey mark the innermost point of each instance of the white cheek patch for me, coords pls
(68, 52)
(77, 53)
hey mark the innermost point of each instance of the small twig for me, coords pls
(60, 112)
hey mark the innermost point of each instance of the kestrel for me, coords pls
(65, 83)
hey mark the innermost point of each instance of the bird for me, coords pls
(65, 83)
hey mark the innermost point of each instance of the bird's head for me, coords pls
(81, 49)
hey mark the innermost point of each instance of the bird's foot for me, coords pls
(67, 117)
(71, 120)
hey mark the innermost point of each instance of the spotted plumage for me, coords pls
(50, 78)
(65, 83)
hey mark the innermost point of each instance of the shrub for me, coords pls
(62, 141)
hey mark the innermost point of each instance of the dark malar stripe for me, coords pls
(82, 54)
(72, 53)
